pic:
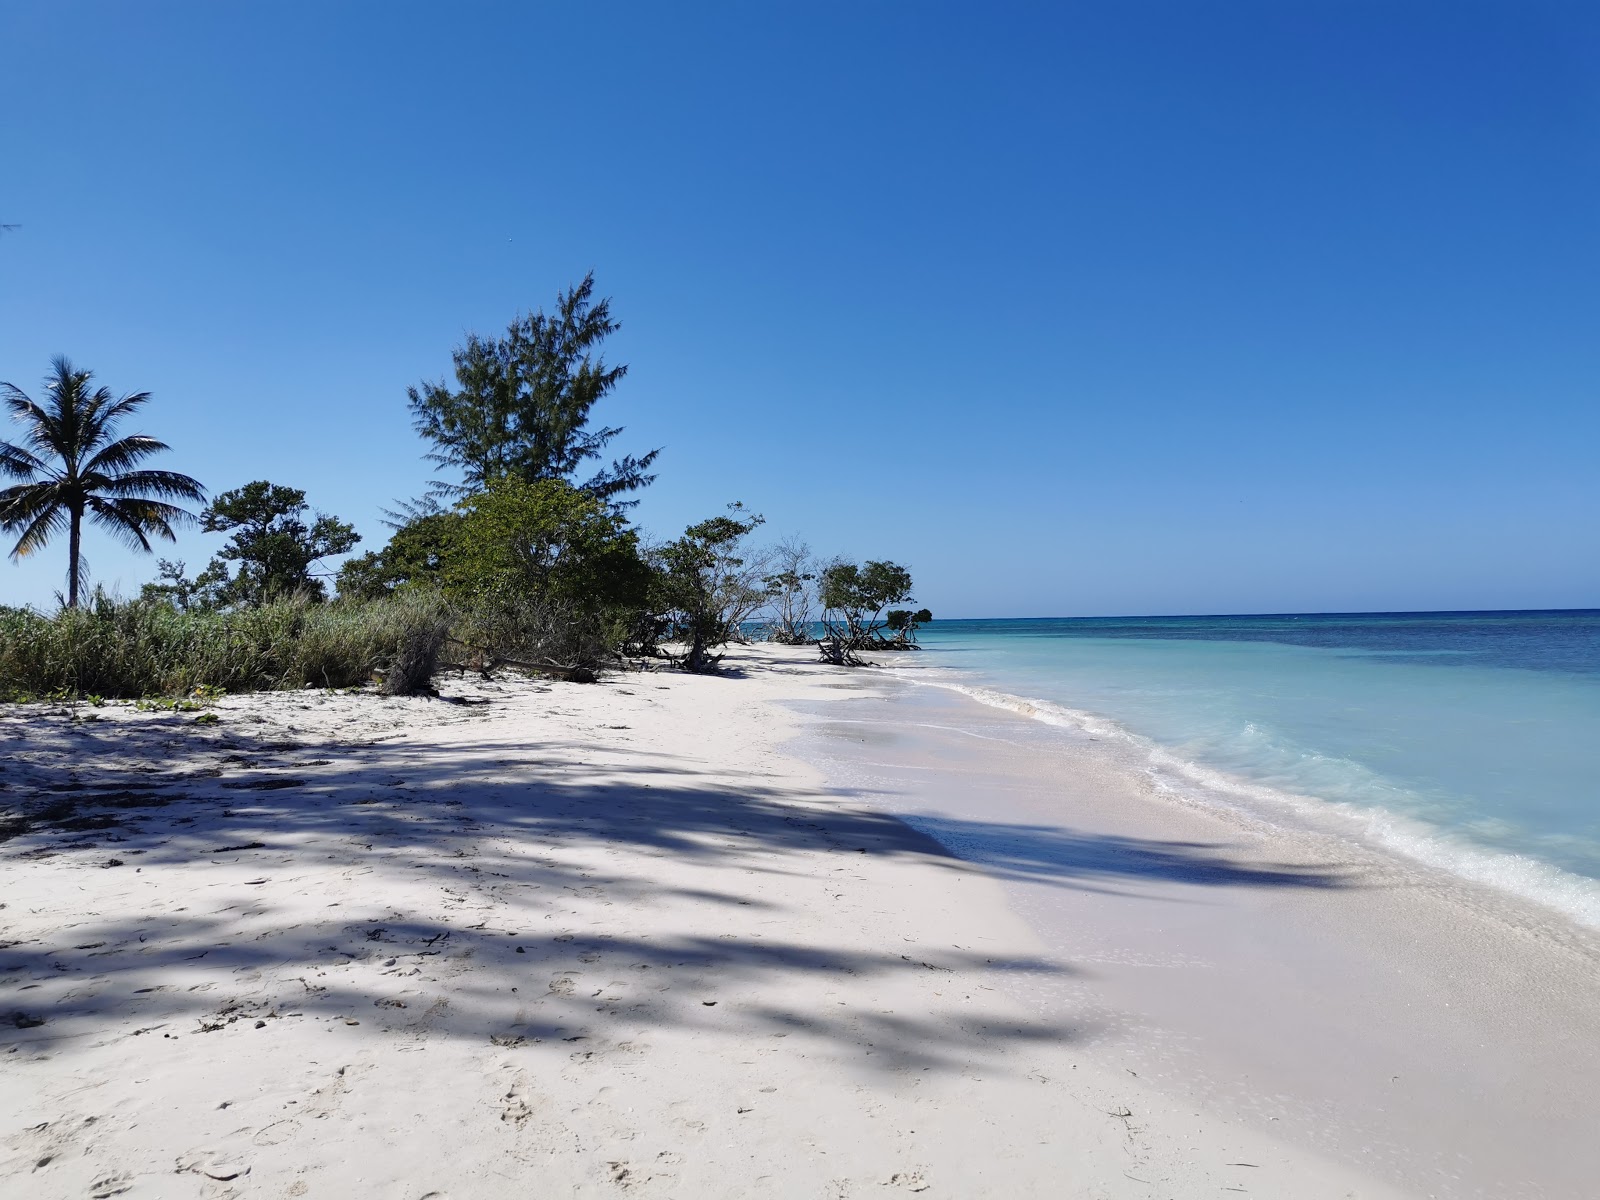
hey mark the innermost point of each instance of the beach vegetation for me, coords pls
(543, 574)
(140, 648)
(903, 623)
(414, 555)
(521, 404)
(854, 597)
(173, 586)
(524, 557)
(709, 584)
(72, 464)
(791, 593)
(274, 552)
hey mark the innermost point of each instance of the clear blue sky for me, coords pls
(1075, 309)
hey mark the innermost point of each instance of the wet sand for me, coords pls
(1435, 1034)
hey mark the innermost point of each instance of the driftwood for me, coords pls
(553, 670)
(702, 664)
(846, 652)
(570, 674)
(840, 652)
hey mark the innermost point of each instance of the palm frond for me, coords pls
(20, 464)
(134, 484)
(119, 455)
(11, 394)
(24, 501)
(132, 521)
(86, 420)
(115, 410)
(42, 431)
(39, 525)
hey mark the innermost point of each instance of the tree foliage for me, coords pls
(903, 623)
(539, 573)
(710, 585)
(173, 587)
(853, 597)
(275, 546)
(545, 539)
(415, 554)
(520, 408)
(72, 465)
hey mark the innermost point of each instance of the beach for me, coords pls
(785, 931)
(1434, 1031)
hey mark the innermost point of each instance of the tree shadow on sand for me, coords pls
(503, 835)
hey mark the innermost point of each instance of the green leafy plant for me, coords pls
(274, 543)
(710, 586)
(520, 408)
(145, 650)
(853, 598)
(903, 623)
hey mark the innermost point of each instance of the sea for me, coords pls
(1469, 741)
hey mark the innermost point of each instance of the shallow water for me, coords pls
(1431, 1033)
(1467, 740)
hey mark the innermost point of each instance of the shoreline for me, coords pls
(1437, 1031)
(1524, 880)
(609, 937)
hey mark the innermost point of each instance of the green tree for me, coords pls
(545, 574)
(414, 555)
(521, 405)
(274, 546)
(545, 539)
(710, 586)
(73, 465)
(171, 586)
(853, 598)
(903, 623)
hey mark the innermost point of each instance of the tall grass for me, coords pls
(141, 648)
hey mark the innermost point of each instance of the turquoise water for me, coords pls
(1470, 740)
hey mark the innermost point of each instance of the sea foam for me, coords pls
(1574, 896)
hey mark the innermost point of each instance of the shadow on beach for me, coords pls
(501, 838)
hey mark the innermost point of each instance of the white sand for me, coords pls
(1443, 1035)
(577, 940)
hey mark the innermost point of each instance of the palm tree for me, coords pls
(73, 465)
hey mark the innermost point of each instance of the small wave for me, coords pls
(1575, 896)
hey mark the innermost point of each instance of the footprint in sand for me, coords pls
(515, 1108)
(277, 1133)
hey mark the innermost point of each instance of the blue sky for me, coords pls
(1075, 309)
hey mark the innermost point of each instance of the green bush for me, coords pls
(143, 648)
(537, 574)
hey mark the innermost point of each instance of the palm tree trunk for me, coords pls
(75, 543)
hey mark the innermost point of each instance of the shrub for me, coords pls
(709, 586)
(853, 598)
(140, 648)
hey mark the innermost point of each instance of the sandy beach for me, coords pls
(557, 939)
